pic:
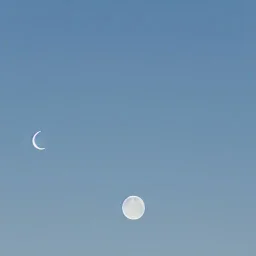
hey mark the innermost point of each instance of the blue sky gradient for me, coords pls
(147, 98)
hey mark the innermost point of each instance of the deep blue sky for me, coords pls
(152, 98)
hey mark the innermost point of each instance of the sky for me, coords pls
(147, 98)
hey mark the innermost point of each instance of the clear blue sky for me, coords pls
(152, 98)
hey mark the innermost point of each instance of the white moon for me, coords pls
(133, 207)
(34, 141)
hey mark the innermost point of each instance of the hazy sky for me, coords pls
(148, 98)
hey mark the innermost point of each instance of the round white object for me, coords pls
(133, 207)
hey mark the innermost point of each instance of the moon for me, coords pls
(133, 208)
(34, 141)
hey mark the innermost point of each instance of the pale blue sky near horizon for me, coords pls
(147, 98)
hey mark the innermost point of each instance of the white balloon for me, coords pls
(34, 141)
(133, 207)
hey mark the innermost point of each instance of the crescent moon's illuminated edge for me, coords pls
(34, 141)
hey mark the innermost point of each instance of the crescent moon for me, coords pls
(34, 141)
